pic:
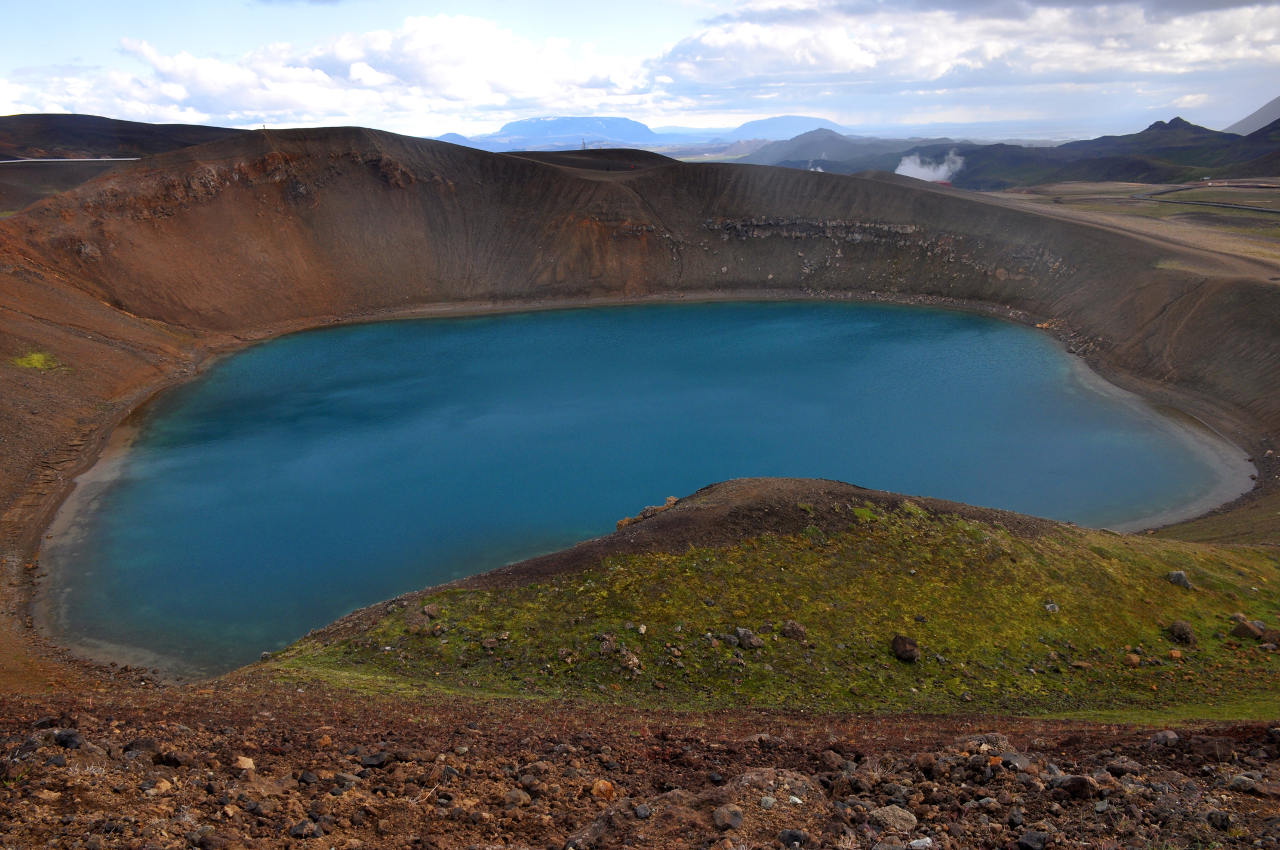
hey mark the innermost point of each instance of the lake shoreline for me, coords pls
(121, 434)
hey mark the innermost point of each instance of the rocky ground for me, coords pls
(258, 761)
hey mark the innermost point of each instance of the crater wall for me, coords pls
(129, 281)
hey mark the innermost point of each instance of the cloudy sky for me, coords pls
(1041, 67)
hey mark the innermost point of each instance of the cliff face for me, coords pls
(126, 279)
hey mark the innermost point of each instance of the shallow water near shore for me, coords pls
(326, 470)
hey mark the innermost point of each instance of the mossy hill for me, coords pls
(1042, 619)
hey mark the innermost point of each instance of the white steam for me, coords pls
(914, 166)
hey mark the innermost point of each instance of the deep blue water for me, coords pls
(326, 470)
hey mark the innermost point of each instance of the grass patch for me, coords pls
(41, 361)
(1069, 623)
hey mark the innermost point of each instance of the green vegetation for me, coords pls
(39, 360)
(1069, 623)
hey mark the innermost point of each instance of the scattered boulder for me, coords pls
(306, 829)
(1179, 579)
(68, 739)
(1079, 787)
(894, 818)
(1015, 761)
(1219, 820)
(1033, 840)
(1180, 632)
(1243, 783)
(793, 838)
(1246, 630)
(793, 630)
(905, 649)
(1123, 766)
(748, 639)
(727, 817)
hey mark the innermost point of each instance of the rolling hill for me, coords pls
(88, 136)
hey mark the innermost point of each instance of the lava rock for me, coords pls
(793, 838)
(1180, 631)
(795, 631)
(1033, 840)
(1219, 820)
(1247, 631)
(306, 829)
(894, 818)
(905, 649)
(68, 739)
(727, 817)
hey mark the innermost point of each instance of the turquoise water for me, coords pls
(326, 470)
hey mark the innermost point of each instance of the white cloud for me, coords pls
(918, 61)
(431, 75)
(929, 45)
(366, 75)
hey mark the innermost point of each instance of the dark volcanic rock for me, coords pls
(727, 817)
(905, 649)
(1180, 631)
(1247, 631)
(68, 739)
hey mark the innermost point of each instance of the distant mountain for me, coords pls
(1165, 152)
(91, 136)
(781, 127)
(1174, 141)
(1257, 120)
(834, 152)
(562, 133)
(455, 139)
(557, 129)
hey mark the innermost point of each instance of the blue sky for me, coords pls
(1053, 68)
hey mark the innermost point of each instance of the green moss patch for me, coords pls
(42, 361)
(1072, 622)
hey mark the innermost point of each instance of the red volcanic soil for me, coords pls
(252, 762)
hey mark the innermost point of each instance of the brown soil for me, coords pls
(127, 764)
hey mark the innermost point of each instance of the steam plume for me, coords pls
(914, 166)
